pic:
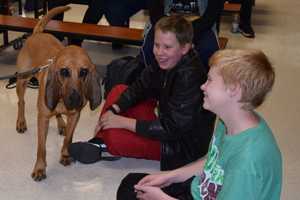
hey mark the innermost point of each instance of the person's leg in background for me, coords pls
(29, 5)
(92, 15)
(245, 27)
(60, 17)
(118, 13)
(206, 45)
(245, 19)
(56, 3)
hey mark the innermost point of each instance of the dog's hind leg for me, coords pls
(71, 125)
(21, 126)
(61, 125)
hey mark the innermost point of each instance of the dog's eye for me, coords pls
(64, 72)
(83, 72)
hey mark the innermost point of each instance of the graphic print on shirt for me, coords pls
(211, 180)
(185, 6)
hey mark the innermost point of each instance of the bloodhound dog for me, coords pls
(69, 82)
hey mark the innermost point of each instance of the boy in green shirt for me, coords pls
(244, 161)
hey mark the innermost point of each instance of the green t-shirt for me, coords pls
(244, 166)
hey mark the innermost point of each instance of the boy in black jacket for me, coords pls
(182, 130)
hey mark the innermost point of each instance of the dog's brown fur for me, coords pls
(65, 87)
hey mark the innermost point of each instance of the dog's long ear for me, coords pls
(53, 88)
(92, 89)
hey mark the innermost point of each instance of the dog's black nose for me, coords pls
(74, 100)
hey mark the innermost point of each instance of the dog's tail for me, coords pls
(39, 28)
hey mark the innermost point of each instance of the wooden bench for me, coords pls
(124, 35)
(75, 30)
(232, 7)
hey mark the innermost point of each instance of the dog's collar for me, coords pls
(50, 62)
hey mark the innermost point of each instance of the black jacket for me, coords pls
(183, 127)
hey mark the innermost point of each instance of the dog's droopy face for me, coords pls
(72, 77)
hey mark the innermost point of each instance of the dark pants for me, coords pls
(178, 190)
(56, 3)
(116, 12)
(246, 11)
(205, 44)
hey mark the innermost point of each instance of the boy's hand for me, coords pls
(110, 120)
(160, 180)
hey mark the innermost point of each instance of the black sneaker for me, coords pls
(12, 82)
(33, 83)
(89, 152)
(99, 142)
(247, 31)
(85, 152)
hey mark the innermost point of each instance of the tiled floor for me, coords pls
(277, 34)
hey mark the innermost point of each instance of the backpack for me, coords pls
(123, 70)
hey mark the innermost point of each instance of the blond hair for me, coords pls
(250, 69)
(178, 25)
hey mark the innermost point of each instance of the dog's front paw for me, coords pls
(38, 174)
(21, 126)
(65, 160)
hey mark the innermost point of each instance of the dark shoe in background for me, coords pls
(246, 31)
(11, 83)
(116, 46)
(32, 83)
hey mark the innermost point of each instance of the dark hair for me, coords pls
(178, 25)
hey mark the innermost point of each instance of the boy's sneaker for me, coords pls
(85, 152)
(90, 152)
(247, 31)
